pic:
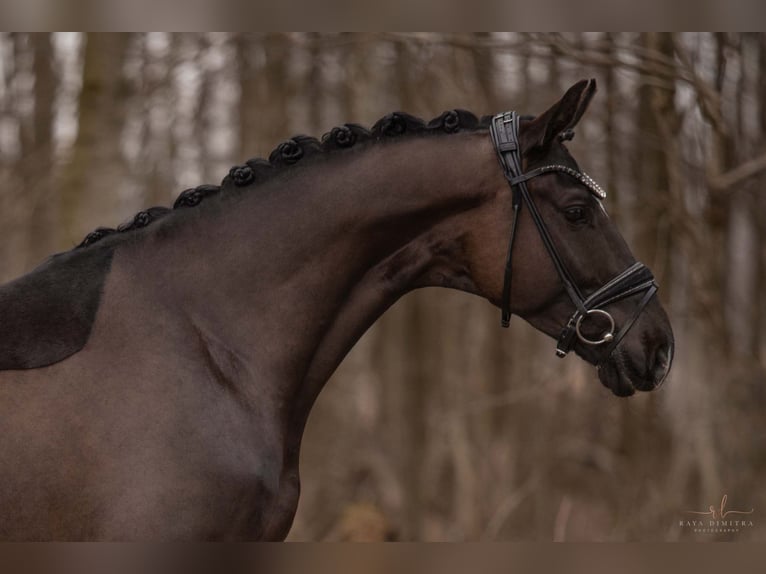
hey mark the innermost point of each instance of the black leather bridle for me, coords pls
(636, 279)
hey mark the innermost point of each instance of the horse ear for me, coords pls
(561, 116)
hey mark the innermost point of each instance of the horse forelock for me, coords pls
(297, 149)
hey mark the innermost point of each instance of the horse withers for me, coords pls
(155, 381)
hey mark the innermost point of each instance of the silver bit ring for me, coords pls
(605, 338)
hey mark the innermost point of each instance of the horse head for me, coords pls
(568, 271)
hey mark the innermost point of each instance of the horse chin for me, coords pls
(620, 375)
(614, 378)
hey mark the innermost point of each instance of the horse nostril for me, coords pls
(661, 363)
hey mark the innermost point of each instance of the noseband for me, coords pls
(636, 279)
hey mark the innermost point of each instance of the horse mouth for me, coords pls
(615, 380)
(620, 376)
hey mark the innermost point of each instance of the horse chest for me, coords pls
(219, 497)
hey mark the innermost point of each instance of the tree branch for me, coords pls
(725, 181)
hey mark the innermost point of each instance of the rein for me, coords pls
(504, 131)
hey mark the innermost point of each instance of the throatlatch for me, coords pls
(636, 279)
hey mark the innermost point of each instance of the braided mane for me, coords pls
(296, 149)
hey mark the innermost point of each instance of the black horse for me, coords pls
(156, 380)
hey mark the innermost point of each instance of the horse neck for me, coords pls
(289, 276)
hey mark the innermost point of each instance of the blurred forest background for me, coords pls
(440, 425)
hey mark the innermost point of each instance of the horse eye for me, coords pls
(575, 215)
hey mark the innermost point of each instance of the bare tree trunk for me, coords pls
(159, 180)
(247, 46)
(741, 263)
(14, 202)
(410, 348)
(315, 79)
(266, 91)
(761, 207)
(610, 127)
(484, 69)
(716, 216)
(659, 165)
(658, 158)
(89, 186)
(36, 162)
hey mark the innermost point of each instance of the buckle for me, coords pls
(566, 339)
